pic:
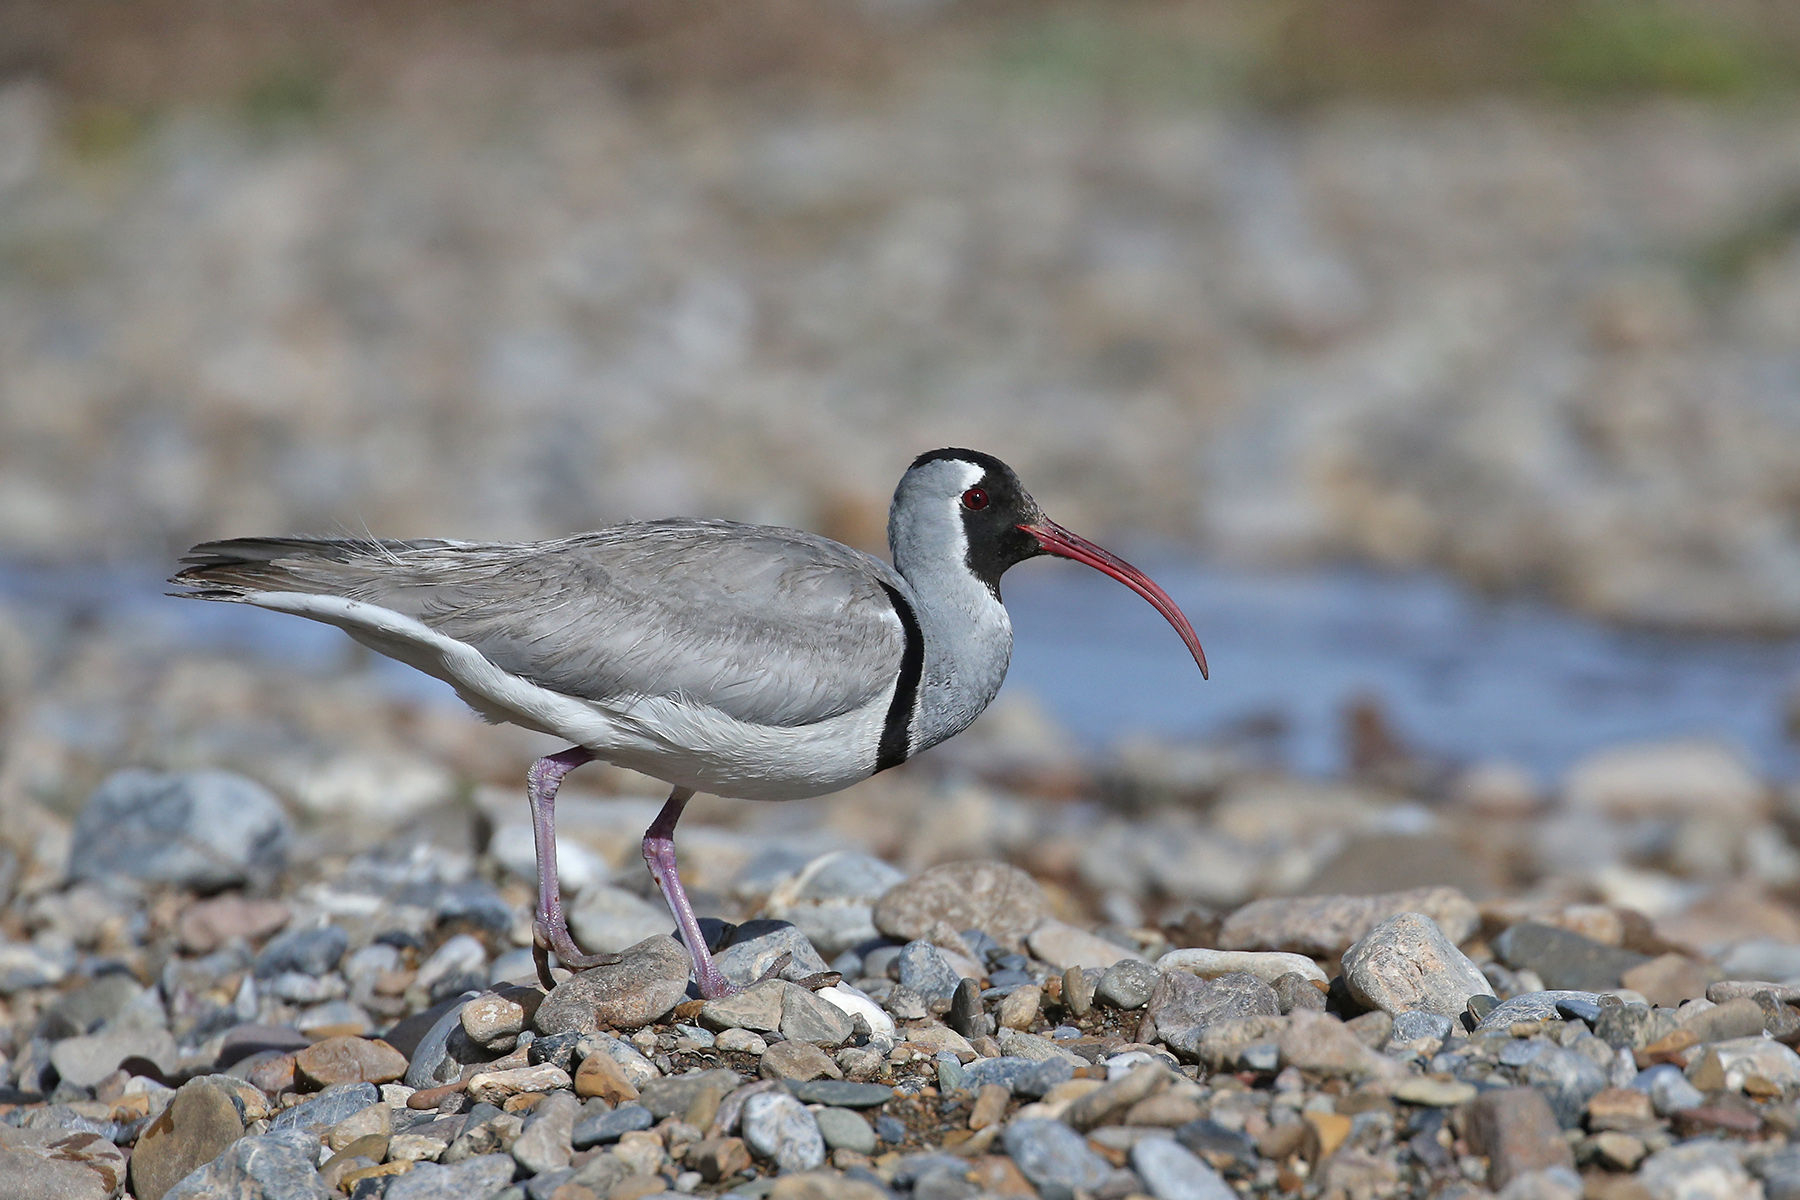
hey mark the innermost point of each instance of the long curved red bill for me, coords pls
(1054, 539)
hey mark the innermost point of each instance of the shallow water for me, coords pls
(1460, 676)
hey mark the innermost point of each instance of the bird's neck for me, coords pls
(968, 644)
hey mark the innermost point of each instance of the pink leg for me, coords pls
(659, 852)
(551, 931)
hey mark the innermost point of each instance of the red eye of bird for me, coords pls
(975, 498)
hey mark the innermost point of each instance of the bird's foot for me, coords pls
(711, 983)
(546, 937)
(823, 979)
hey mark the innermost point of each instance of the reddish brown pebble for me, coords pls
(1518, 1133)
(272, 1075)
(206, 925)
(432, 1097)
(1710, 1118)
(999, 1176)
(349, 1060)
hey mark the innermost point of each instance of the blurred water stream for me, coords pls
(1460, 676)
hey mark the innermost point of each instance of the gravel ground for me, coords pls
(266, 934)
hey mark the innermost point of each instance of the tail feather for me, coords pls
(235, 568)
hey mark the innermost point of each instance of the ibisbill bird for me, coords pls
(741, 660)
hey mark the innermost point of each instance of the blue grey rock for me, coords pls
(267, 1168)
(1780, 1174)
(880, 961)
(923, 969)
(891, 1130)
(1412, 1025)
(949, 1073)
(604, 1128)
(1172, 1173)
(840, 1093)
(779, 1129)
(1668, 1089)
(755, 945)
(1127, 984)
(1054, 1158)
(1531, 1006)
(539, 1187)
(845, 1130)
(201, 829)
(1567, 1079)
(327, 1108)
(311, 952)
(480, 1176)
(1044, 1074)
(1005, 1071)
(476, 902)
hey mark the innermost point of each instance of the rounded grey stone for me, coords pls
(1127, 984)
(1054, 1158)
(203, 829)
(651, 980)
(1172, 1173)
(845, 1130)
(778, 1128)
(1406, 963)
(925, 971)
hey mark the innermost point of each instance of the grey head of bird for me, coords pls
(959, 510)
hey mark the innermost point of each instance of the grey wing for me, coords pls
(771, 626)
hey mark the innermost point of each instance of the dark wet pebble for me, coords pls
(312, 952)
(840, 1093)
(557, 1049)
(1565, 960)
(607, 1127)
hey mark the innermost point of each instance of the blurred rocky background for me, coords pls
(1506, 292)
(1510, 289)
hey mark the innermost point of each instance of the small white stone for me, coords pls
(858, 1004)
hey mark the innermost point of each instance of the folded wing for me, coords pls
(771, 626)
